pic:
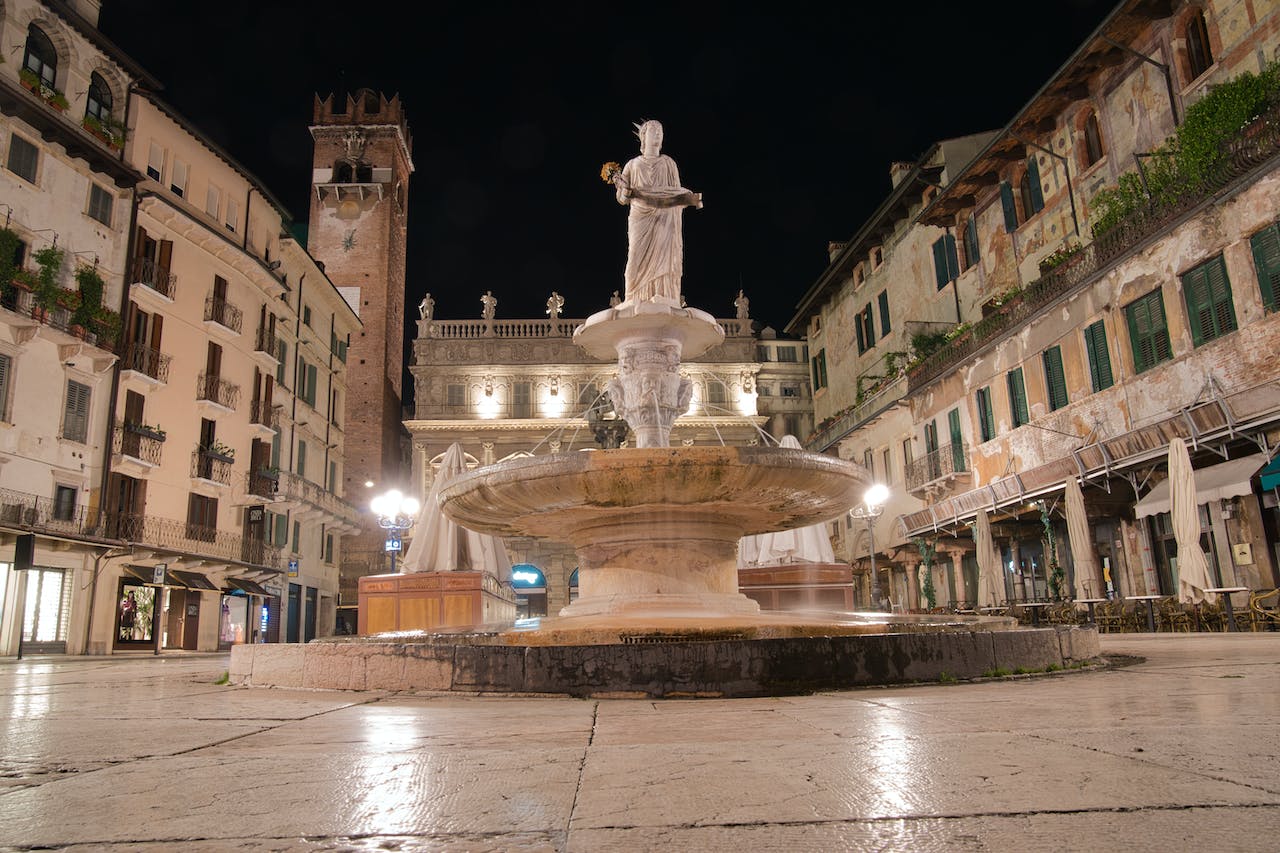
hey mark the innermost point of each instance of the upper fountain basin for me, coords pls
(751, 489)
(695, 330)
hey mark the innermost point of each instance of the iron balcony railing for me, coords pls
(945, 461)
(138, 441)
(46, 515)
(296, 488)
(222, 312)
(147, 271)
(215, 389)
(263, 413)
(263, 482)
(208, 465)
(265, 341)
(1258, 144)
(887, 393)
(147, 361)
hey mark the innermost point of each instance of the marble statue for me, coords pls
(555, 304)
(426, 307)
(490, 303)
(615, 300)
(650, 184)
(743, 304)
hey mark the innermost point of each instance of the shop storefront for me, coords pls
(530, 587)
(46, 611)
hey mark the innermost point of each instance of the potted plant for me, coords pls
(8, 263)
(90, 286)
(50, 95)
(145, 430)
(105, 323)
(218, 450)
(109, 130)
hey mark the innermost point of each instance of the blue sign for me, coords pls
(293, 567)
(525, 576)
(393, 543)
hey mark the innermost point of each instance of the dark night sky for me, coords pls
(785, 119)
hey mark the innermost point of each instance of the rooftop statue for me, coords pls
(650, 184)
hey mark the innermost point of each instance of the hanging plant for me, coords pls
(91, 286)
(927, 550)
(49, 261)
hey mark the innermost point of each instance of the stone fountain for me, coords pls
(656, 530)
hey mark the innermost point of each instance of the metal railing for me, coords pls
(147, 361)
(945, 461)
(265, 341)
(887, 393)
(149, 272)
(297, 488)
(215, 389)
(222, 312)
(211, 466)
(1258, 144)
(263, 413)
(138, 442)
(263, 482)
(45, 515)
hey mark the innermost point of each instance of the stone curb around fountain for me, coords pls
(717, 668)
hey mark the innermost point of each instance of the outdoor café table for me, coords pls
(1151, 614)
(1034, 607)
(1091, 602)
(1225, 593)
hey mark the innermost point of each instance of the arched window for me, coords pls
(1092, 140)
(342, 172)
(1025, 195)
(41, 59)
(99, 102)
(1199, 56)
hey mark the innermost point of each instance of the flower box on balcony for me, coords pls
(45, 92)
(154, 433)
(108, 132)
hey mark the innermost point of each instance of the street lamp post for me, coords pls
(871, 508)
(396, 514)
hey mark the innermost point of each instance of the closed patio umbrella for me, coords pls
(1193, 570)
(441, 545)
(803, 545)
(989, 584)
(1088, 581)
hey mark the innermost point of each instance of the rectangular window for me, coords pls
(297, 536)
(762, 353)
(715, 390)
(1033, 181)
(1207, 292)
(100, 202)
(328, 548)
(233, 215)
(1010, 208)
(521, 400)
(957, 440)
(883, 300)
(64, 503)
(155, 162)
(75, 418)
(202, 518)
(763, 389)
(456, 396)
(178, 182)
(1095, 344)
(23, 157)
(275, 450)
(971, 243)
(946, 266)
(306, 316)
(869, 462)
(1266, 260)
(906, 455)
(282, 358)
(820, 370)
(1017, 397)
(301, 467)
(986, 415)
(790, 389)
(212, 201)
(885, 458)
(282, 531)
(786, 354)
(6, 372)
(866, 329)
(333, 477)
(1148, 331)
(1054, 380)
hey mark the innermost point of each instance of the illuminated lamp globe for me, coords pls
(876, 495)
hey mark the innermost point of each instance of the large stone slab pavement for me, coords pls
(1178, 751)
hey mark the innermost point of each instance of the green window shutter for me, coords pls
(1054, 379)
(302, 458)
(957, 440)
(986, 416)
(931, 436)
(953, 260)
(971, 242)
(75, 421)
(1010, 209)
(1017, 397)
(1223, 313)
(883, 299)
(940, 263)
(311, 385)
(1148, 331)
(1037, 194)
(6, 363)
(1266, 260)
(1195, 289)
(1095, 342)
(282, 356)
(870, 324)
(857, 327)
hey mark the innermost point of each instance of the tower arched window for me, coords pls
(1199, 55)
(342, 172)
(40, 59)
(1092, 140)
(98, 104)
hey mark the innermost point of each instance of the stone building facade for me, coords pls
(1076, 353)
(510, 388)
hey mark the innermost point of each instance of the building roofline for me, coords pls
(64, 10)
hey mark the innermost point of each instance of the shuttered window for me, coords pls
(1266, 260)
(986, 417)
(23, 157)
(6, 370)
(946, 266)
(1095, 344)
(1033, 194)
(970, 243)
(1010, 209)
(883, 300)
(957, 440)
(302, 458)
(1054, 380)
(1148, 331)
(1017, 397)
(75, 418)
(1207, 291)
(819, 370)
(100, 203)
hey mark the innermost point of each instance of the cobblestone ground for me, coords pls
(1176, 751)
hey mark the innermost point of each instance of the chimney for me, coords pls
(899, 170)
(833, 249)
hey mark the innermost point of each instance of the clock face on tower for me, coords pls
(349, 240)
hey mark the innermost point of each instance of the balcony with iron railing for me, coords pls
(211, 465)
(146, 361)
(942, 464)
(45, 515)
(263, 413)
(139, 442)
(263, 482)
(295, 488)
(216, 390)
(155, 277)
(54, 316)
(265, 341)
(889, 392)
(219, 311)
(1257, 146)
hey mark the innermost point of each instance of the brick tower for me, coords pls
(360, 188)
